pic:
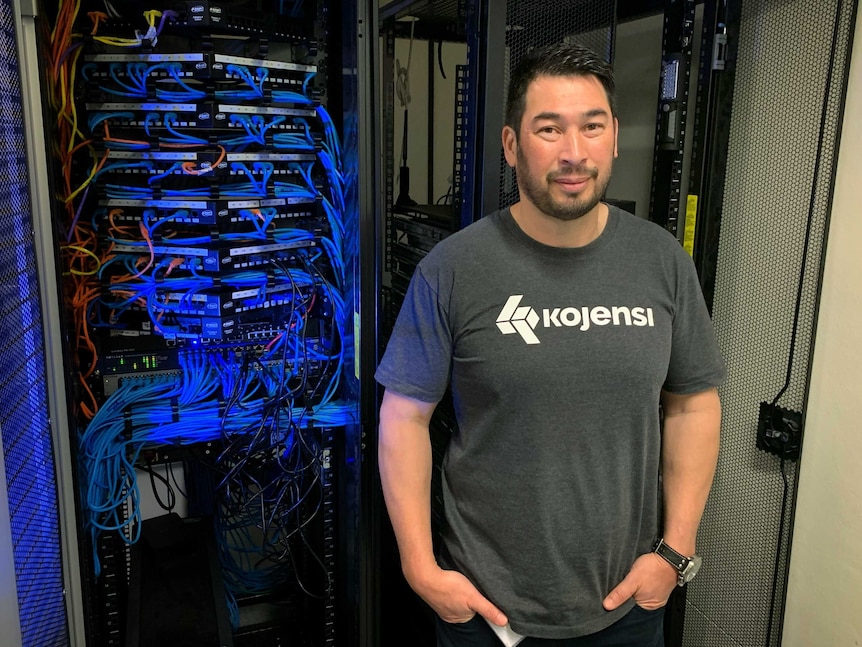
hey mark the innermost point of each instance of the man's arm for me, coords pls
(689, 456)
(404, 454)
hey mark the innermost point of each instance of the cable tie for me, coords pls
(175, 410)
(128, 427)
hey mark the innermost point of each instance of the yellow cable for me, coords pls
(117, 42)
(73, 17)
(87, 252)
(74, 120)
(84, 184)
(62, 107)
(151, 16)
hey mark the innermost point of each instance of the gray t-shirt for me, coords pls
(556, 359)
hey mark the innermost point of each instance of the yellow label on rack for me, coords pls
(690, 222)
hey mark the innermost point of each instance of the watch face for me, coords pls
(691, 568)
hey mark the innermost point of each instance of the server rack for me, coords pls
(716, 76)
(672, 115)
(411, 230)
(208, 234)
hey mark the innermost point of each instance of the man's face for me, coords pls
(566, 148)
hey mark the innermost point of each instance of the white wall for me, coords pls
(825, 587)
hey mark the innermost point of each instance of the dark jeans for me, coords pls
(638, 628)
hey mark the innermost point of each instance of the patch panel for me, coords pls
(225, 257)
(210, 212)
(158, 121)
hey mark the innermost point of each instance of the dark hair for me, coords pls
(555, 60)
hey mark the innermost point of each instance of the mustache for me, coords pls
(578, 171)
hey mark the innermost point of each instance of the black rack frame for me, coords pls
(672, 114)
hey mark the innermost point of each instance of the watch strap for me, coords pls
(675, 559)
(686, 567)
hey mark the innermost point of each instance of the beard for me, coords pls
(571, 207)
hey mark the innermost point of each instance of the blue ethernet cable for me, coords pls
(261, 220)
(331, 135)
(149, 214)
(110, 469)
(306, 81)
(140, 87)
(265, 169)
(252, 92)
(110, 457)
(186, 94)
(176, 167)
(290, 97)
(124, 192)
(304, 171)
(126, 260)
(195, 192)
(285, 141)
(138, 72)
(171, 242)
(111, 167)
(88, 68)
(291, 190)
(97, 117)
(263, 75)
(170, 121)
(149, 119)
(242, 141)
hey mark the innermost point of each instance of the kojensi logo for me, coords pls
(522, 320)
(515, 318)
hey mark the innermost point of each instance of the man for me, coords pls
(564, 328)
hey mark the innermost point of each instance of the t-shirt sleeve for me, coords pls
(695, 362)
(418, 355)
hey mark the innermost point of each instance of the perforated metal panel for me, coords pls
(776, 190)
(534, 23)
(24, 424)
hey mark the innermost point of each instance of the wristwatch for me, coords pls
(686, 567)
